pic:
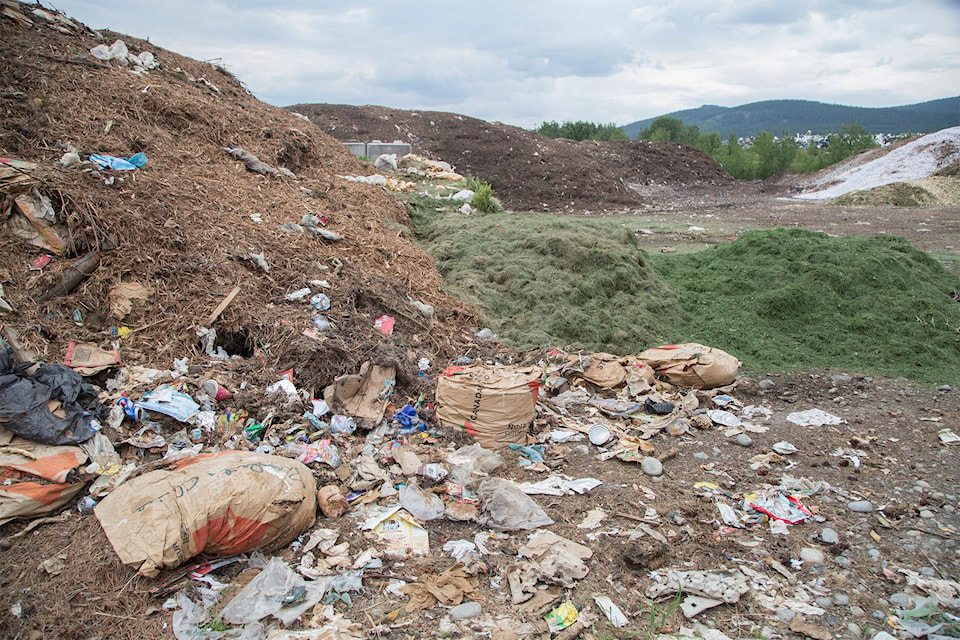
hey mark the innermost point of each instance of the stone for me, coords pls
(744, 440)
(883, 635)
(860, 506)
(786, 615)
(927, 572)
(856, 611)
(901, 600)
(811, 555)
(874, 554)
(651, 466)
(944, 387)
(766, 385)
(841, 600)
(853, 630)
(841, 377)
(824, 601)
(466, 611)
(829, 536)
(842, 561)
(926, 514)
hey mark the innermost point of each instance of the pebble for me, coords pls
(811, 555)
(944, 387)
(883, 635)
(841, 377)
(766, 385)
(901, 600)
(829, 536)
(860, 506)
(651, 466)
(926, 514)
(853, 629)
(949, 508)
(874, 554)
(700, 455)
(841, 600)
(856, 611)
(927, 572)
(744, 440)
(824, 601)
(466, 611)
(842, 561)
(785, 615)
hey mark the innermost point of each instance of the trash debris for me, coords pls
(692, 365)
(384, 325)
(89, 359)
(363, 395)
(562, 617)
(399, 531)
(170, 402)
(251, 161)
(611, 611)
(136, 161)
(813, 418)
(507, 508)
(51, 406)
(36, 479)
(495, 405)
(162, 518)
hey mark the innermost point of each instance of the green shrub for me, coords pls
(483, 198)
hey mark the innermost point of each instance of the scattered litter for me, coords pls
(814, 418)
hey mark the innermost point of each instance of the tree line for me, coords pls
(758, 159)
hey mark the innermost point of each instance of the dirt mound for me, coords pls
(529, 171)
(186, 224)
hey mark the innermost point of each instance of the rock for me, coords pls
(853, 630)
(901, 600)
(766, 385)
(842, 561)
(466, 611)
(926, 514)
(651, 466)
(860, 506)
(744, 440)
(824, 601)
(841, 377)
(944, 387)
(883, 635)
(856, 611)
(927, 572)
(841, 600)
(785, 615)
(811, 555)
(874, 554)
(829, 536)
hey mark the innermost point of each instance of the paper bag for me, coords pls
(692, 365)
(218, 503)
(495, 405)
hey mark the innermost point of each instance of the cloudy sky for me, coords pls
(523, 62)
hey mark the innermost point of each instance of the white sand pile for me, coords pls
(913, 161)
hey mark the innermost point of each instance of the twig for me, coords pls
(36, 523)
(222, 306)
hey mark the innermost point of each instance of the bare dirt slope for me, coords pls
(529, 171)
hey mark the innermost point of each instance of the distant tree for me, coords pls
(664, 129)
(581, 130)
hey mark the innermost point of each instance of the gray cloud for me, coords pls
(526, 62)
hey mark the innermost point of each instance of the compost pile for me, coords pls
(529, 171)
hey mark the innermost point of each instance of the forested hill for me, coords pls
(800, 116)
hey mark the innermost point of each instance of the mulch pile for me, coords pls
(529, 171)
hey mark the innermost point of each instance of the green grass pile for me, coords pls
(785, 300)
(541, 280)
(780, 300)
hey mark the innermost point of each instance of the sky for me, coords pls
(525, 62)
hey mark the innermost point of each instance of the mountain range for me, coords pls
(800, 116)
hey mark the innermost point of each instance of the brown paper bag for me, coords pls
(692, 365)
(495, 405)
(217, 503)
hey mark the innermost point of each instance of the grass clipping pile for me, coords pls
(144, 260)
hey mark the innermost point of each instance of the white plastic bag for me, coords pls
(423, 506)
(507, 508)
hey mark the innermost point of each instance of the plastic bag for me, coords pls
(277, 591)
(30, 402)
(507, 508)
(423, 506)
(468, 463)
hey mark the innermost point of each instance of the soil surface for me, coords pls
(186, 225)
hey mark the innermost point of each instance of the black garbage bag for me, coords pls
(24, 397)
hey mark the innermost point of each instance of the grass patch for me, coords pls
(779, 300)
(899, 194)
(789, 300)
(539, 279)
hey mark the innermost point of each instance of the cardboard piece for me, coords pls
(451, 587)
(402, 534)
(495, 405)
(38, 477)
(122, 296)
(218, 503)
(34, 221)
(692, 365)
(88, 359)
(364, 395)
